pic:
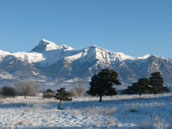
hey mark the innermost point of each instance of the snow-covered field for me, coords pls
(119, 112)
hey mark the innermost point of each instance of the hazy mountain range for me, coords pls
(57, 65)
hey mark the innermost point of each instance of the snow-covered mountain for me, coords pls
(52, 64)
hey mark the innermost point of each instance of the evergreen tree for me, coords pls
(62, 95)
(156, 81)
(102, 83)
(144, 85)
(140, 87)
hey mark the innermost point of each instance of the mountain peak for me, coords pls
(46, 41)
(46, 45)
(107, 54)
(96, 47)
(114, 55)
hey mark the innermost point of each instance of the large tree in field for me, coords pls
(102, 83)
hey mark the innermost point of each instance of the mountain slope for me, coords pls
(49, 63)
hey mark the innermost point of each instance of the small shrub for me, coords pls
(8, 91)
(49, 91)
(79, 89)
(20, 123)
(112, 121)
(49, 95)
(73, 93)
(133, 110)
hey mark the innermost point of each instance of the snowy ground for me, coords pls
(119, 112)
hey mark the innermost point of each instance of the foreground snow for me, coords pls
(121, 112)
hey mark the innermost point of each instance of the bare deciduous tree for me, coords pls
(79, 89)
(27, 88)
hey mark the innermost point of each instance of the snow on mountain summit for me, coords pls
(47, 53)
(144, 57)
(45, 45)
(105, 54)
(3, 54)
(102, 55)
(49, 62)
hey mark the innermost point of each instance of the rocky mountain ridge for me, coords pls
(51, 64)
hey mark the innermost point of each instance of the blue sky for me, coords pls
(134, 27)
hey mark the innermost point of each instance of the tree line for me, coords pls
(23, 88)
(101, 84)
(152, 85)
